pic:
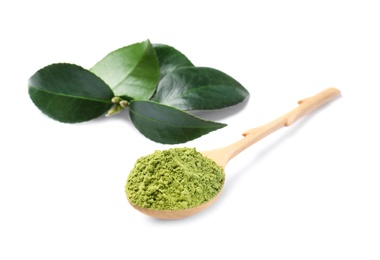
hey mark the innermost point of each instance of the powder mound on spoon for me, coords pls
(174, 179)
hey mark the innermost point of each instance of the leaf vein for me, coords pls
(70, 96)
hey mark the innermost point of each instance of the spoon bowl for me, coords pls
(222, 156)
(174, 214)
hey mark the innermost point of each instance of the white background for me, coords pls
(310, 191)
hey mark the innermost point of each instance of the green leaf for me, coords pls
(199, 88)
(170, 59)
(168, 125)
(131, 72)
(69, 93)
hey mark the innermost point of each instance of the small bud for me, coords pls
(116, 100)
(116, 109)
(123, 103)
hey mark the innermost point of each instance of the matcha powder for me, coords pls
(177, 178)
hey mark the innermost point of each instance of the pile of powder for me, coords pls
(177, 178)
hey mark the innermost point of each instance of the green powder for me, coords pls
(177, 178)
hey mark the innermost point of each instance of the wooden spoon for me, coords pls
(223, 155)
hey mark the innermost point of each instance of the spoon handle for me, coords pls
(222, 155)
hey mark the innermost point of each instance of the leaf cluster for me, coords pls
(157, 83)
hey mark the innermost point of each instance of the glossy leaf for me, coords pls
(170, 59)
(168, 125)
(131, 71)
(69, 93)
(199, 88)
